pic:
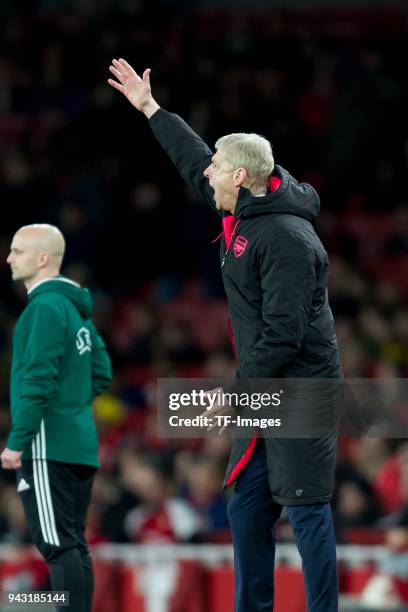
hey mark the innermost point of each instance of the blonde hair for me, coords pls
(249, 151)
(48, 238)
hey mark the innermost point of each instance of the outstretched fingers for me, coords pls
(116, 73)
(116, 85)
(127, 67)
(122, 71)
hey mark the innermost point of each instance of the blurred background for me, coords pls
(327, 83)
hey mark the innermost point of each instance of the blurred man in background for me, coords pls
(59, 365)
(275, 271)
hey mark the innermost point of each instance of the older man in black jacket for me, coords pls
(274, 270)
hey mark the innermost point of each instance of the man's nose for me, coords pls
(207, 172)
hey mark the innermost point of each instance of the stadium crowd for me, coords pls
(332, 99)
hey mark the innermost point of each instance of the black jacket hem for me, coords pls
(301, 501)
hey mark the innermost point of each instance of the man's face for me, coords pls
(220, 175)
(23, 259)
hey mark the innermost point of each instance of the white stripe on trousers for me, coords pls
(42, 489)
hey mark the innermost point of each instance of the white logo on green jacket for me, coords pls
(83, 341)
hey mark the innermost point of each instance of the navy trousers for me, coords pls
(252, 515)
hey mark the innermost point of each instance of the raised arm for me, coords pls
(189, 153)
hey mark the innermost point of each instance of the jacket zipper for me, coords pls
(231, 240)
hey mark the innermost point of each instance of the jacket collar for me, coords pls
(290, 198)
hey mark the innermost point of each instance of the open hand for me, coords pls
(135, 88)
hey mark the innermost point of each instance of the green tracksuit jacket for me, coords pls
(59, 365)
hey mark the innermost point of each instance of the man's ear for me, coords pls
(239, 177)
(43, 259)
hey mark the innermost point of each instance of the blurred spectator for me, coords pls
(355, 504)
(202, 489)
(13, 526)
(159, 516)
(391, 482)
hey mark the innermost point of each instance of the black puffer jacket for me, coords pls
(275, 276)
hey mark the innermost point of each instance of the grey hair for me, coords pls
(249, 151)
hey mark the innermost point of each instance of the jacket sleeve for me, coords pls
(288, 277)
(43, 342)
(188, 152)
(101, 365)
